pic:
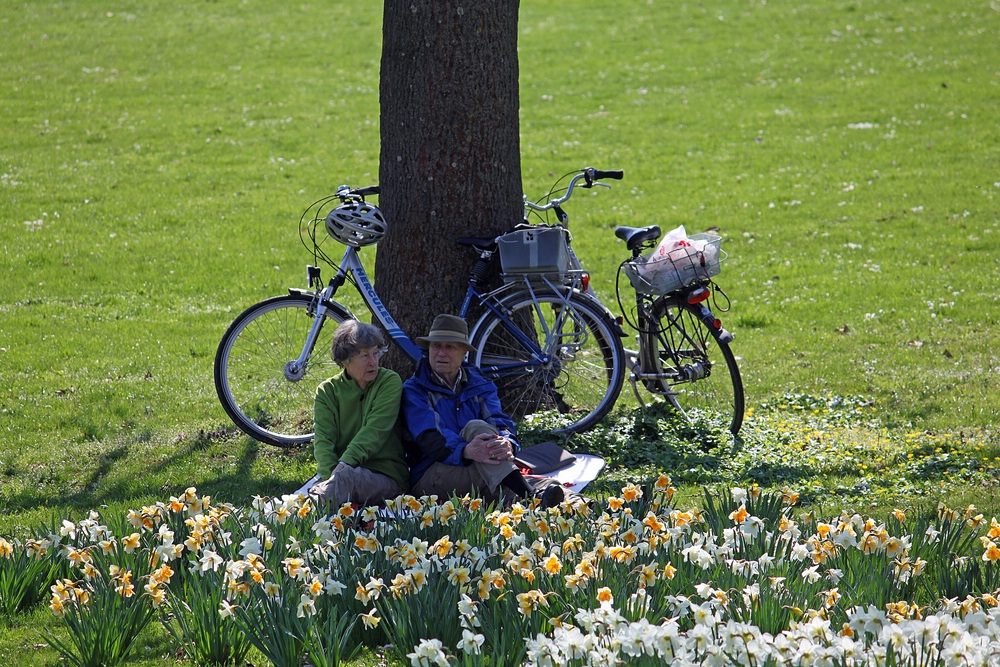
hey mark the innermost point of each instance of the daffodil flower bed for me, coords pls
(739, 581)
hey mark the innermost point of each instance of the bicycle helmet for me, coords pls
(356, 224)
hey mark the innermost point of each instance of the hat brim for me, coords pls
(425, 341)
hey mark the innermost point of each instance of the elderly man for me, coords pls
(462, 442)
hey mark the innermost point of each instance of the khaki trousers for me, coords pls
(478, 479)
(355, 485)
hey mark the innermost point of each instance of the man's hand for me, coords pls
(488, 448)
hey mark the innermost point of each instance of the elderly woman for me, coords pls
(358, 448)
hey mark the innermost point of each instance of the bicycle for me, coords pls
(683, 353)
(546, 343)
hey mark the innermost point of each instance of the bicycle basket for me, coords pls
(698, 260)
(540, 249)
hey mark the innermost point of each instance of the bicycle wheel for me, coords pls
(581, 365)
(260, 389)
(698, 372)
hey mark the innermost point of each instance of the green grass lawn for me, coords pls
(155, 157)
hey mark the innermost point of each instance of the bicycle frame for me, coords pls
(350, 266)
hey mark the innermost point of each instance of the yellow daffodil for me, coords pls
(56, 604)
(653, 523)
(130, 543)
(830, 597)
(400, 585)
(371, 619)
(679, 518)
(125, 588)
(226, 609)
(446, 512)
(414, 504)
(462, 548)
(6, 548)
(157, 594)
(631, 493)
(459, 576)
(442, 547)
(295, 567)
(991, 552)
(622, 554)
(162, 574)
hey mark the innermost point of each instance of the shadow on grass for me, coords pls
(219, 464)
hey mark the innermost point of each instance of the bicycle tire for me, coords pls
(266, 401)
(583, 376)
(699, 371)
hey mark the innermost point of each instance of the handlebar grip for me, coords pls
(616, 174)
(366, 191)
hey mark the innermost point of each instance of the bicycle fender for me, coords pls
(713, 324)
(333, 306)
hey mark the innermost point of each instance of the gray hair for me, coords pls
(352, 336)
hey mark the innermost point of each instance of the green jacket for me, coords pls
(360, 427)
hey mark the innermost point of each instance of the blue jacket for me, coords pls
(435, 415)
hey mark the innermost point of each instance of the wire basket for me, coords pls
(698, 259)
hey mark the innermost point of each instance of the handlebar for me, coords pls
(616, 174)
(346, 192)
(590, 176)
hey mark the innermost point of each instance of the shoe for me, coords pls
(550, 496)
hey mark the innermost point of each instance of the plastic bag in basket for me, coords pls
(677, 261)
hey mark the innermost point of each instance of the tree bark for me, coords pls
(450, 156)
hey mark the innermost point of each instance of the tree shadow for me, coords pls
(239, 483)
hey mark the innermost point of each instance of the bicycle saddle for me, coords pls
(478, 242)
(635, 237)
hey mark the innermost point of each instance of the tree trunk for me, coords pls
(450, 157)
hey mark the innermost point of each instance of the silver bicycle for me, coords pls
(682, 351)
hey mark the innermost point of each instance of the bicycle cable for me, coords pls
(312, 219)
(554, 190)
(716, 290)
